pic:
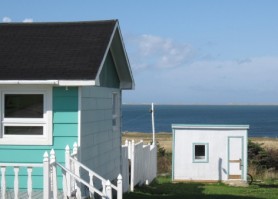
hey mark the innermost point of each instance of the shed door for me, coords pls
(235, 157)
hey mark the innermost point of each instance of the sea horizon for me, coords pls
(202, 104)
(262, 119)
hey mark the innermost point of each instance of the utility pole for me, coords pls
(153, 127)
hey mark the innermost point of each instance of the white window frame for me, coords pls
(45, 122)
(206, 158)
(115, 111)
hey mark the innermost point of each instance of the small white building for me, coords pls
(209, 153)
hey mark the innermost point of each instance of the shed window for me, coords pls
(26, 116)
(200, 152)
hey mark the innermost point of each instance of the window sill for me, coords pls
(200, 161)
(18, 140)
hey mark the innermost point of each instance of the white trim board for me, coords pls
(208, 126)
(49, 82)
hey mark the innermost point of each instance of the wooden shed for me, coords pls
(209, 153)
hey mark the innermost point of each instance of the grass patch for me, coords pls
(162, 187)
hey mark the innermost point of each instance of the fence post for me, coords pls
(108, 190)
(54, 174)
(103, 183)
(29, 182)
(132, 158)
(76, 170)
(3, 182)
(46, 187)
(67, 165)
(75, 149)
(119, 187)
(16, 182)
(91, 182)
(129, 150)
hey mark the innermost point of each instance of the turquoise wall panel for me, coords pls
(65, 132)
(65, 129)
(64, 117)
(65, 92)
(65, 103)
(62, 142)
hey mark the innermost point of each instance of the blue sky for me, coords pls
(182, 52)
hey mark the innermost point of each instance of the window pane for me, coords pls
(114, 104)
(24, 106)
(23, 130)
(200, 151)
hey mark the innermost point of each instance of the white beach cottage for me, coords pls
(209, 153)
(61, 83)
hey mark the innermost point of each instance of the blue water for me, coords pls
(263, 120)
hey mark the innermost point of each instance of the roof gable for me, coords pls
(53, 51)
(108, 76)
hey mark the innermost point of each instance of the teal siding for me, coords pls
(65, 125)
(63, 103)
(62, 130)
(109, 75)
(64, 117)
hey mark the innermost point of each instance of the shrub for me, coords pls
(263, 163)
(262, 158)
(164, 160)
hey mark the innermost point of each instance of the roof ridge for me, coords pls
(60, 22)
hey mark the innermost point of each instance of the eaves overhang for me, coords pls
(117, 48)
(49, 82)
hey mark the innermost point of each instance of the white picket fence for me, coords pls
(125, 168)
(143, 163)
(16, 167)
(72, 182)
(139, 166)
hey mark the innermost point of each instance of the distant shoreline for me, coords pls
(164, 139)
(162, 104)
(253, 137)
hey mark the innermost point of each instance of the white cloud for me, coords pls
(28, 20)
(212, 81)
(228, 81)
(6, 19)
(149, 51)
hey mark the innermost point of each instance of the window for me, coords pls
(115, 112)
(200, 152)
(26, 116)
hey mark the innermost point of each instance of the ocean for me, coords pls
(263, 120)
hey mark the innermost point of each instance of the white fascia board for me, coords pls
(76, 83)
(106, 52)
(208, 126)
(127, 86)
(49, 82)
(127, 60)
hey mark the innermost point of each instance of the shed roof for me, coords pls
(209, 126)
(57, 51)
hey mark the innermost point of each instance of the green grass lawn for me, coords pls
(163, 188)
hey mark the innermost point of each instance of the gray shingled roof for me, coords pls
(47, 51)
